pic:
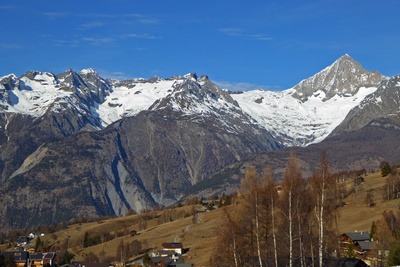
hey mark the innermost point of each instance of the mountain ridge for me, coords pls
(101, 147)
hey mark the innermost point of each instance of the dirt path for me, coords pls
(186, 229)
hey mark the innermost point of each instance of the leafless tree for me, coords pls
(291, 180)
(325, 200)
(369, 199)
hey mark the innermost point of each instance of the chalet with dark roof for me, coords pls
(48, 258)
(355, 237)
(41, 259)
(36, 259)
(363, 247)
(21, 257)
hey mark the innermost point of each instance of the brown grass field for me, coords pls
(200, 238)
(355, 215)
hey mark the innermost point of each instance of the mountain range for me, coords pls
(75, 144)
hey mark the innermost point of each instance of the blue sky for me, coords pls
(238, 44)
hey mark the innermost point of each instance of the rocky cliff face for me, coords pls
(384, 102)
(38, 108)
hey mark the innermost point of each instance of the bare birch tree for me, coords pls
(250, 189)
(291, 180)
(324, 201)
(270, 200)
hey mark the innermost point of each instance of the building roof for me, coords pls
(36, 256)
(166, 260)
(49, 256)
(345, 262)
(366, 245)
(169, 262)
(176, 262)
(358, 236)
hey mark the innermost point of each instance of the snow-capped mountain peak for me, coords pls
(310, 111)
(304, 114)
(344, 77)
(88, 71)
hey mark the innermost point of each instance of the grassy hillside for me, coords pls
(200, 237)
(355, 215)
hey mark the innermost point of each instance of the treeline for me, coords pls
(392, 185)
(351, 174)
(12, 235)
(386, 236)
(281, 225)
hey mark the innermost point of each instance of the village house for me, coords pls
(133, 232)
(22, 241)
(41, 259)
(165, 253)
(31, 235)
(165, 261)
(360, 241)
(354, 237)
(36, 259)
(364, 247)
(21, 257)
(25, 258)
(212, 202)
(48, 258)
(177, 247)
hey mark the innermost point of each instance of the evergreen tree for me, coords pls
(146, 259)
(2, 260)
(386, 169)
(38, 245)
(372, 232)
(350, 253)
(85, 240)
(67, 257)
(10, 261)
(394, 254)
(227, 200)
